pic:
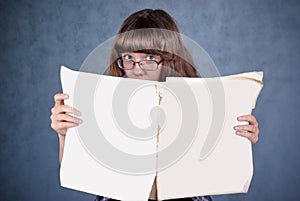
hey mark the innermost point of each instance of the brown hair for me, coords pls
(153, 32)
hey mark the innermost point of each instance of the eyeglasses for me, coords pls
(147, 65)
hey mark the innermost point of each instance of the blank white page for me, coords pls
(100, 156)
(213, 160)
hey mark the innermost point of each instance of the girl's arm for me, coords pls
(62, 118)
(61, 146)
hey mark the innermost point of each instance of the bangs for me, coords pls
(150, 41)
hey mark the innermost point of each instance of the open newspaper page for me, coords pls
(206, 156)
(161, 140)
(113, 153)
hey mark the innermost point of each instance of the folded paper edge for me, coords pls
(63, 71)
(256, 76)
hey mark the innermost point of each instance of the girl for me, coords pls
(148, 46)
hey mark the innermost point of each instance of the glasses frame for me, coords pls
(121, 65)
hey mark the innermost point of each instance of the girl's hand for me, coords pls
(249, 131)
(60, 120)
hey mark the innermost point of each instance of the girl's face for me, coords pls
(137, 72)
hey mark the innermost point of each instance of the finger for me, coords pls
(65, 109)
(66, 118)
(253, 120)
(250, 118)
(59, 98)
(250, 136)
(248, 128)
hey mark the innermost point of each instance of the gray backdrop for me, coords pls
(39, 36)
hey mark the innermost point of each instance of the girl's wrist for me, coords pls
(61, 136)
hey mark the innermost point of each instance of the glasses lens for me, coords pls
(148, 65)
(128, 64)
(145, 65)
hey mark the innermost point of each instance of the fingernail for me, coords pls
(78, 113)
(80, 121)
(238, 133)
(239, 118)
(66, 96)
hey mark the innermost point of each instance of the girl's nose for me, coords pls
(137, 69)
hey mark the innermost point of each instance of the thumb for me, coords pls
(59, 98)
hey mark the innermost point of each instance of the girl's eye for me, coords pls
(150, 57)
(127, 57)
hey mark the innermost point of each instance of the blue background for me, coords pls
(39, 36)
